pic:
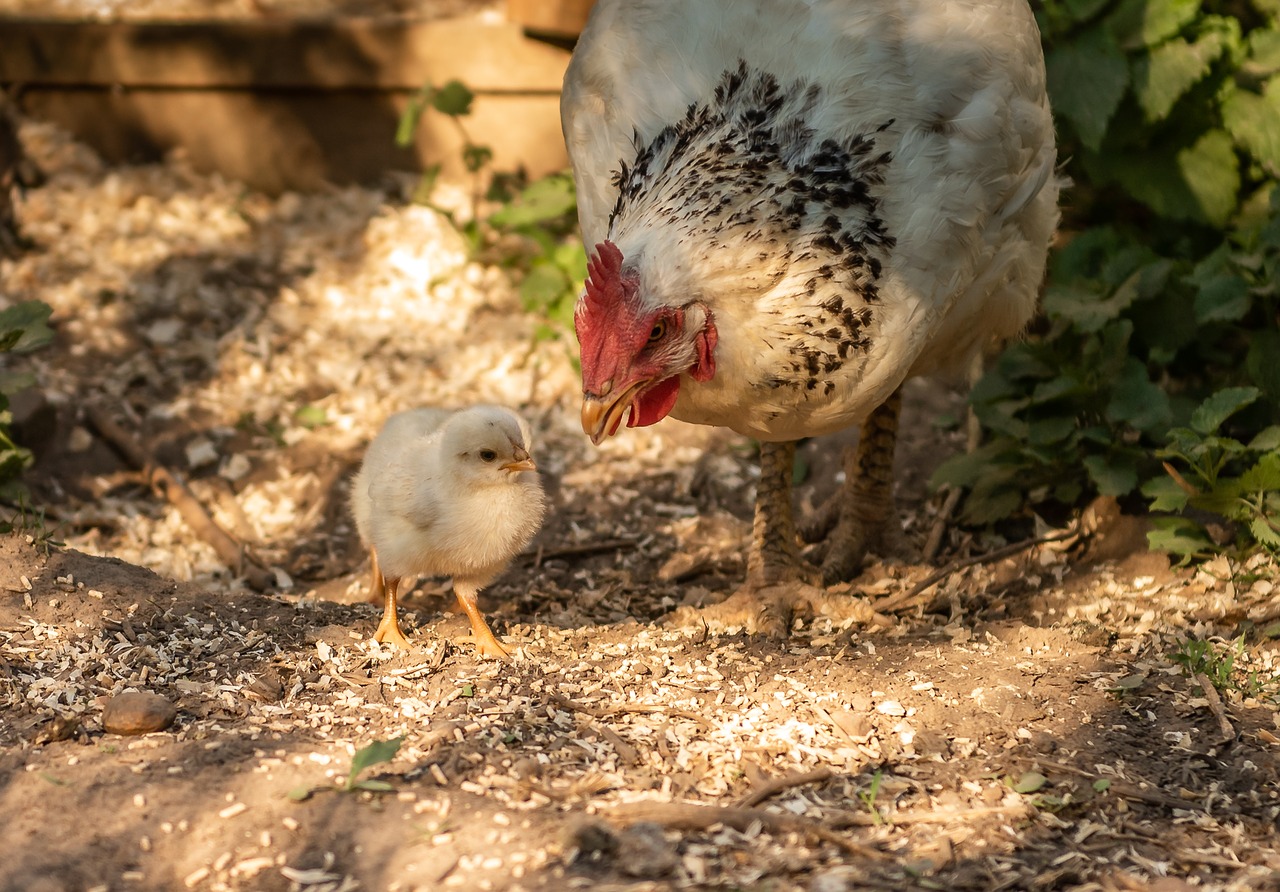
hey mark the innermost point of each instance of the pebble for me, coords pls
(137, 712)
(644, 852)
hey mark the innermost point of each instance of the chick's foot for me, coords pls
(388, 631)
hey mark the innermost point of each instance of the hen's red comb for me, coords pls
(604, 277)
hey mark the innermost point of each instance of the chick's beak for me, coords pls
(520, 461)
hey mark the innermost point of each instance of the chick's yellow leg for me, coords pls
(377, 585)
(486, 644)
(389, 629)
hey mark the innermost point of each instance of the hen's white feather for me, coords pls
(938, 108)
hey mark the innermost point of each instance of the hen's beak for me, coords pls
(520, 461)
(602, 415)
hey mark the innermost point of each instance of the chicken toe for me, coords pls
(860, 517)
(388, 631)
(486, 644)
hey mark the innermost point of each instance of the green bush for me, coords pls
(1155, 369)
(23, 328)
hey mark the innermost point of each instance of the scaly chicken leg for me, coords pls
(486, 644)
(388, 631)
(858, 518)
(778, 578)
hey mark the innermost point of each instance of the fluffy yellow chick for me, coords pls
(447, 493)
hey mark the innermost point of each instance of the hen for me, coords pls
(446, 493)
(792, 206)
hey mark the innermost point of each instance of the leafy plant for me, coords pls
(543, 213)
(24, 327)
(1216, 663)
(1217, 476)
(868, 797)
(1162, 299)
(366, 757)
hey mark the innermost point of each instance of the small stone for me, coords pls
(593, 839)
(644, 852)
(137, 712)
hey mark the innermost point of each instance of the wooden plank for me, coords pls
(289, 140)
(338, 54)
(561, 17)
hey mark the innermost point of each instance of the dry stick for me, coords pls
(932, 816)
(1124, 788)
(905, 599)
(973, 439)
(687, 816)
(780, 784)
(547, 554)
(168, 484)
(1215, 704)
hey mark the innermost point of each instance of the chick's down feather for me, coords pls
(447, 493)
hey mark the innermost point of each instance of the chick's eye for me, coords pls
(487, 455)
(658, 332)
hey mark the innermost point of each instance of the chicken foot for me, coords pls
(388, 631)
(858, 518)
(468, 596)
(779, 580)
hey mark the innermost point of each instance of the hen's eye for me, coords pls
(659, 330)
(487, 455)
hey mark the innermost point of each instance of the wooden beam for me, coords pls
(274, 54)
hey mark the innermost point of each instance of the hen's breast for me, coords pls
(858, 191)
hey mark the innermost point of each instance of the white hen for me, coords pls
(795, 205)
(446, 493)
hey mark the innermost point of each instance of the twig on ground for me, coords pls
(1127, 789)
(632, 708)
(587, 548)
(923, 816)
(687, 816)
(906, 599)
(780, 784)
(164, 482)
(1215, 704)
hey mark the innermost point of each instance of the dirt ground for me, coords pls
(1022, 724)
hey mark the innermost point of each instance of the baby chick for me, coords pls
(447, 493)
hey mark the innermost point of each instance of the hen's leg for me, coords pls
(778, 578)
(857, 519)
(486, 644)
(389, 629)
(775, 554)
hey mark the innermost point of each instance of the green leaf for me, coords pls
(1199, 182)
(453, 99)
(1166, 494)
(1137, 401)
(1210, 414)
(302, 794)
(1101, 785)
(1087, 79)
(1267, 439)
(1114, 476)
(1263, 363)
(1164, 76)
(311, 417)
(1253, 120)
(1142, 23)
(1264, 49)
(468, 690)
(549, 198)
(543, 287)
(1180, 536)
(25, 326)
(375, 753)
(1030, 782)
(1264, 476)
(374, 786)
(408, 122)
(965, 469)
(1264, 532)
